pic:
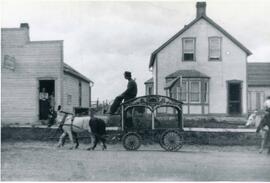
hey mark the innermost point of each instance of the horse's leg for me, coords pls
(263, 134)
(62, 140)
(69, 132)
(76, 140)
(95, 142)
(103, 140)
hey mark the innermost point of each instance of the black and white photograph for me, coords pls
(124, 91)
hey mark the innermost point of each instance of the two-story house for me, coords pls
(203, 66)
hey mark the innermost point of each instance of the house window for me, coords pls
(188, 49)
(194, 91)
(150, 90)
(69, 99)
(183, 91)
(214, 48)
(191, 91)
(205, 92)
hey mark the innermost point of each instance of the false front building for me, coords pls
(35, 78)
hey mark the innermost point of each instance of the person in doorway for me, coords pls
(43, 104)
(129, 93)
(52, 101)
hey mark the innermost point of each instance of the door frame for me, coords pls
(38, 79)
(240, 82)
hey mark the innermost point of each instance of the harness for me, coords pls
(62, 123)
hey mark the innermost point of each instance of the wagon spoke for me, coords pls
(131, 141)
(171, 140)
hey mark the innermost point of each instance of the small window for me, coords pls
(194, 91)
(80, 94)
(214, 48)
(150, 90)
(138, 117)
(166, 117)
(188, 49)
(69, 99)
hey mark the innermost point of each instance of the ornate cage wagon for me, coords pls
(153, 117)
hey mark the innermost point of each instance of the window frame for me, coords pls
(209, 49)
(186, 91)
(206, 92)
(194, 48)
(69, 99)
(150, 90)
(190, 92)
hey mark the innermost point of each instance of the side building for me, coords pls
(35, 77)
(258, 84)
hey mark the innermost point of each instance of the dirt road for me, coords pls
(41, 161)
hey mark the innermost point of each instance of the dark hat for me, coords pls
(127, 74)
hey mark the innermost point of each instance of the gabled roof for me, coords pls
(187, 74)
(75, 73)
(210, 21)
(258, 74)
(149, 81)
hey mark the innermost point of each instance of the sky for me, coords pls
(102, 39)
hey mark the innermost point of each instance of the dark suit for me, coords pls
(130, 93)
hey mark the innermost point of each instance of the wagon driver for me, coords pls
(128, 94)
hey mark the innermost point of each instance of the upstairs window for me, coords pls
(214, 48)
(188, 49)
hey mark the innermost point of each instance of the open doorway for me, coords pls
(46, 98)
(234, 98)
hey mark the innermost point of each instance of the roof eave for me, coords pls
(72, 71)
(240, 45)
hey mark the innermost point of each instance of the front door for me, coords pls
(46, 98)
(234, 98)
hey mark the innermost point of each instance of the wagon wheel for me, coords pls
(131, 141)
(171, 140)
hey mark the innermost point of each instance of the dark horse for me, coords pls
(73, 125)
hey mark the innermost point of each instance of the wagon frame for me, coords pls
(169, 138)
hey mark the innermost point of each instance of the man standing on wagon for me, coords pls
(128, 94)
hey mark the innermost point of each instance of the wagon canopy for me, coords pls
(153, 102)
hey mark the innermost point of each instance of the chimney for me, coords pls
(201, 7)
(24, 25)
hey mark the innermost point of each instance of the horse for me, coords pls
(256, 119)
(71, 126)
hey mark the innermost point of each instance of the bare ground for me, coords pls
(42, 161)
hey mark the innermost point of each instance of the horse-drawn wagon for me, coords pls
(153, 117)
